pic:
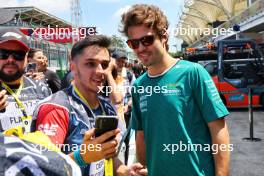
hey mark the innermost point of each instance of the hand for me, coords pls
(3, 98)
(38, 76)
(95, 149)
(111, 67)
(137, 169)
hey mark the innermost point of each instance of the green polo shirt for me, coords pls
(173, 110)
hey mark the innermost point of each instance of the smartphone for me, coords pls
(104, 124)
(31, 67)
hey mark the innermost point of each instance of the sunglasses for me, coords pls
(18, 55)
(145, 41)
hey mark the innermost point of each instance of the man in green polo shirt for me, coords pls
(178, 114)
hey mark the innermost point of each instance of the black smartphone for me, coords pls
(104, 124)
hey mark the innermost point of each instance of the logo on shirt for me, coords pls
(48, 129)
(173, 89)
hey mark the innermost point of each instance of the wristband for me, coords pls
(78, 158)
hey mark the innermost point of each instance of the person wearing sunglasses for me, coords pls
(184, 110)
(19, 95)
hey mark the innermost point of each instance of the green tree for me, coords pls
(176, 54)
(118, 42)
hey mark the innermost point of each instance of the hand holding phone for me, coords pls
(95, 149)
(31, 67)
(104, 124)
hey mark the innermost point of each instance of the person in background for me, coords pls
(124, 81)
(19, 94)
(42, 71)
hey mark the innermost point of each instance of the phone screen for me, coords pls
(31, 67)
(104, 124)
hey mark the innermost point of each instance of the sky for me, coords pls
(104, 14)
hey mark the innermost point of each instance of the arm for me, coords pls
(3, 100)
(220, 137)
(54, 121)
(115, 95)
(122, 170)
(53, 81)
(140, 147)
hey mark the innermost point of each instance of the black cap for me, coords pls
(13, 35)
(117, 54)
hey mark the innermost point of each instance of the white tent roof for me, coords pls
(202, 13)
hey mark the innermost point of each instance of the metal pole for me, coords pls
(251, 121)
(250, 113)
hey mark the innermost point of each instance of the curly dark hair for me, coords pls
(99, 40)
(149, 15)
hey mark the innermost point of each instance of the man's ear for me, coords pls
(164, 40)
(72, 65)
(164, 37)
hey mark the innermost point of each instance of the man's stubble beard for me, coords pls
(13, 77)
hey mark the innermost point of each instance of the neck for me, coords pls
(89, 96)
(16, 82)
(166, 62)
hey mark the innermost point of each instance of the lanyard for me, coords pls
(87, 103)
(109, 167)
(16, 95)
(107, 162)
(25, 118)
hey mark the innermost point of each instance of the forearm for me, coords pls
(115, 95)
(222, 154)
(222, 158)
(120, 168)
(140, 148)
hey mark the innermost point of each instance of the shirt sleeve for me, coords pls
(206, 95)
(53, 81)
(53, 120)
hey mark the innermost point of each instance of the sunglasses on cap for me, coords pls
(145, 41)
(18, 55)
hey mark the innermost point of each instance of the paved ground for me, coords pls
(247, 158)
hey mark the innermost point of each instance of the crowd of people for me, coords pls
(189, 111)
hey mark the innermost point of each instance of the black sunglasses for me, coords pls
(145, 41)
(18, 55)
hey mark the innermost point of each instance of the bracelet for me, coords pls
(78, 158)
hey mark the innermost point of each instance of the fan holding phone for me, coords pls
(104, 124)
(38, 69)
(78, 116)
